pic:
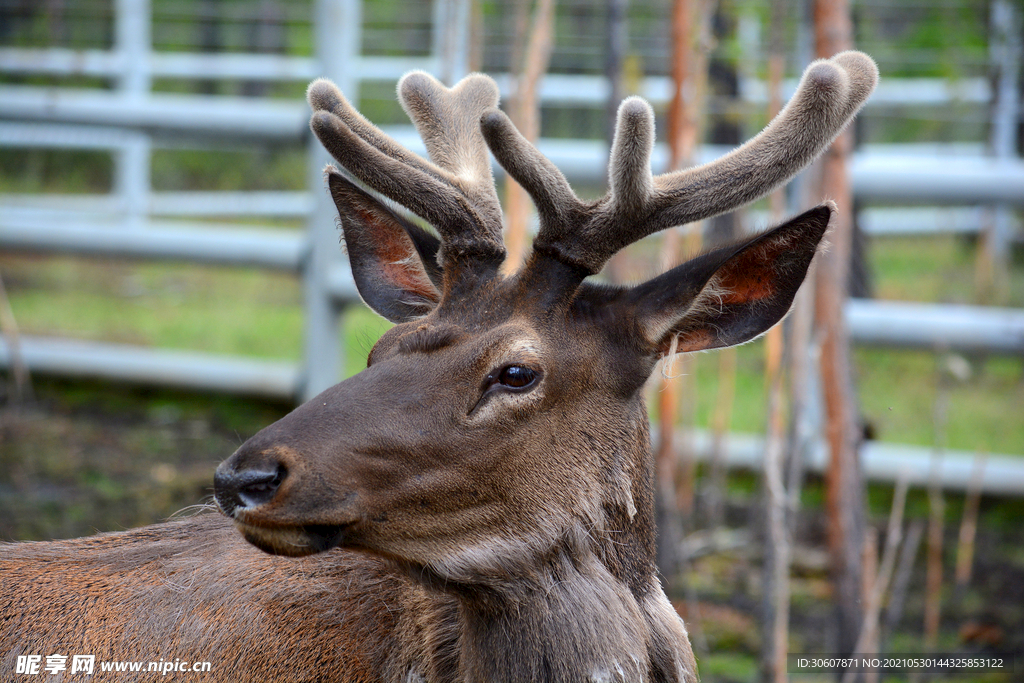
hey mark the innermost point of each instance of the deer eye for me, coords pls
(514, 377)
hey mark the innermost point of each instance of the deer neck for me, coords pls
(586, 611)
(572, 621)
(589, 607)
(577, 622)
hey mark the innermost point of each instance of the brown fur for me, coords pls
(193, 589)
(476, 505)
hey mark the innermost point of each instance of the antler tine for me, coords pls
(557, 205)
(323, 95)
(639, 204)
(829, 94)
(630, 182)
(456, 193)
(449, 123)
(562, 214)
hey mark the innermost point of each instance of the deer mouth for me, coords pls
(293, 541)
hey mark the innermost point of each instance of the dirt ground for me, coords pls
(82, 458)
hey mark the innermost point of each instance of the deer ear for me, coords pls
(730, 295)
(394, 262)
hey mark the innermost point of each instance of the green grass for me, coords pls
(728, 667)
(239, 311)
(34, 170)
(898, 393)
(261, 168)
(217, 310)
(937, 268)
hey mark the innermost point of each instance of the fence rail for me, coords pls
(158, 367)
(130, 120)
(895, 324)
(1003, 474)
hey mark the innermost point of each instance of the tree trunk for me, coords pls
(777, 536)
(525, 114)
(689, 75)
(844, 497)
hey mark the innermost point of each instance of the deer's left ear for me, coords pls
(730, 295)
(394, 262)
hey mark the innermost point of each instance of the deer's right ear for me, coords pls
(721, 298)
(394, 262)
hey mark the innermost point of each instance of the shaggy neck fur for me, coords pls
(590, 608)
(573, 622)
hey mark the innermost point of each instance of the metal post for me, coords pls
(450, 44)
(1005, 53)
(132, 33)
(132, 177)
(132, 162)
(337, 26)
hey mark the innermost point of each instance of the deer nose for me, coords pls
(248, 488)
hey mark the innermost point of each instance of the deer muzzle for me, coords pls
(255, 488)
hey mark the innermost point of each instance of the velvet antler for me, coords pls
(585, 235)
(454, 191)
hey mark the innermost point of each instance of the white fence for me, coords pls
(135, 221)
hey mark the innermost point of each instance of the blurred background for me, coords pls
(172, 281)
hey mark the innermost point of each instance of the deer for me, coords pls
(478, 503)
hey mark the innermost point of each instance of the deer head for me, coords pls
(499, 427)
